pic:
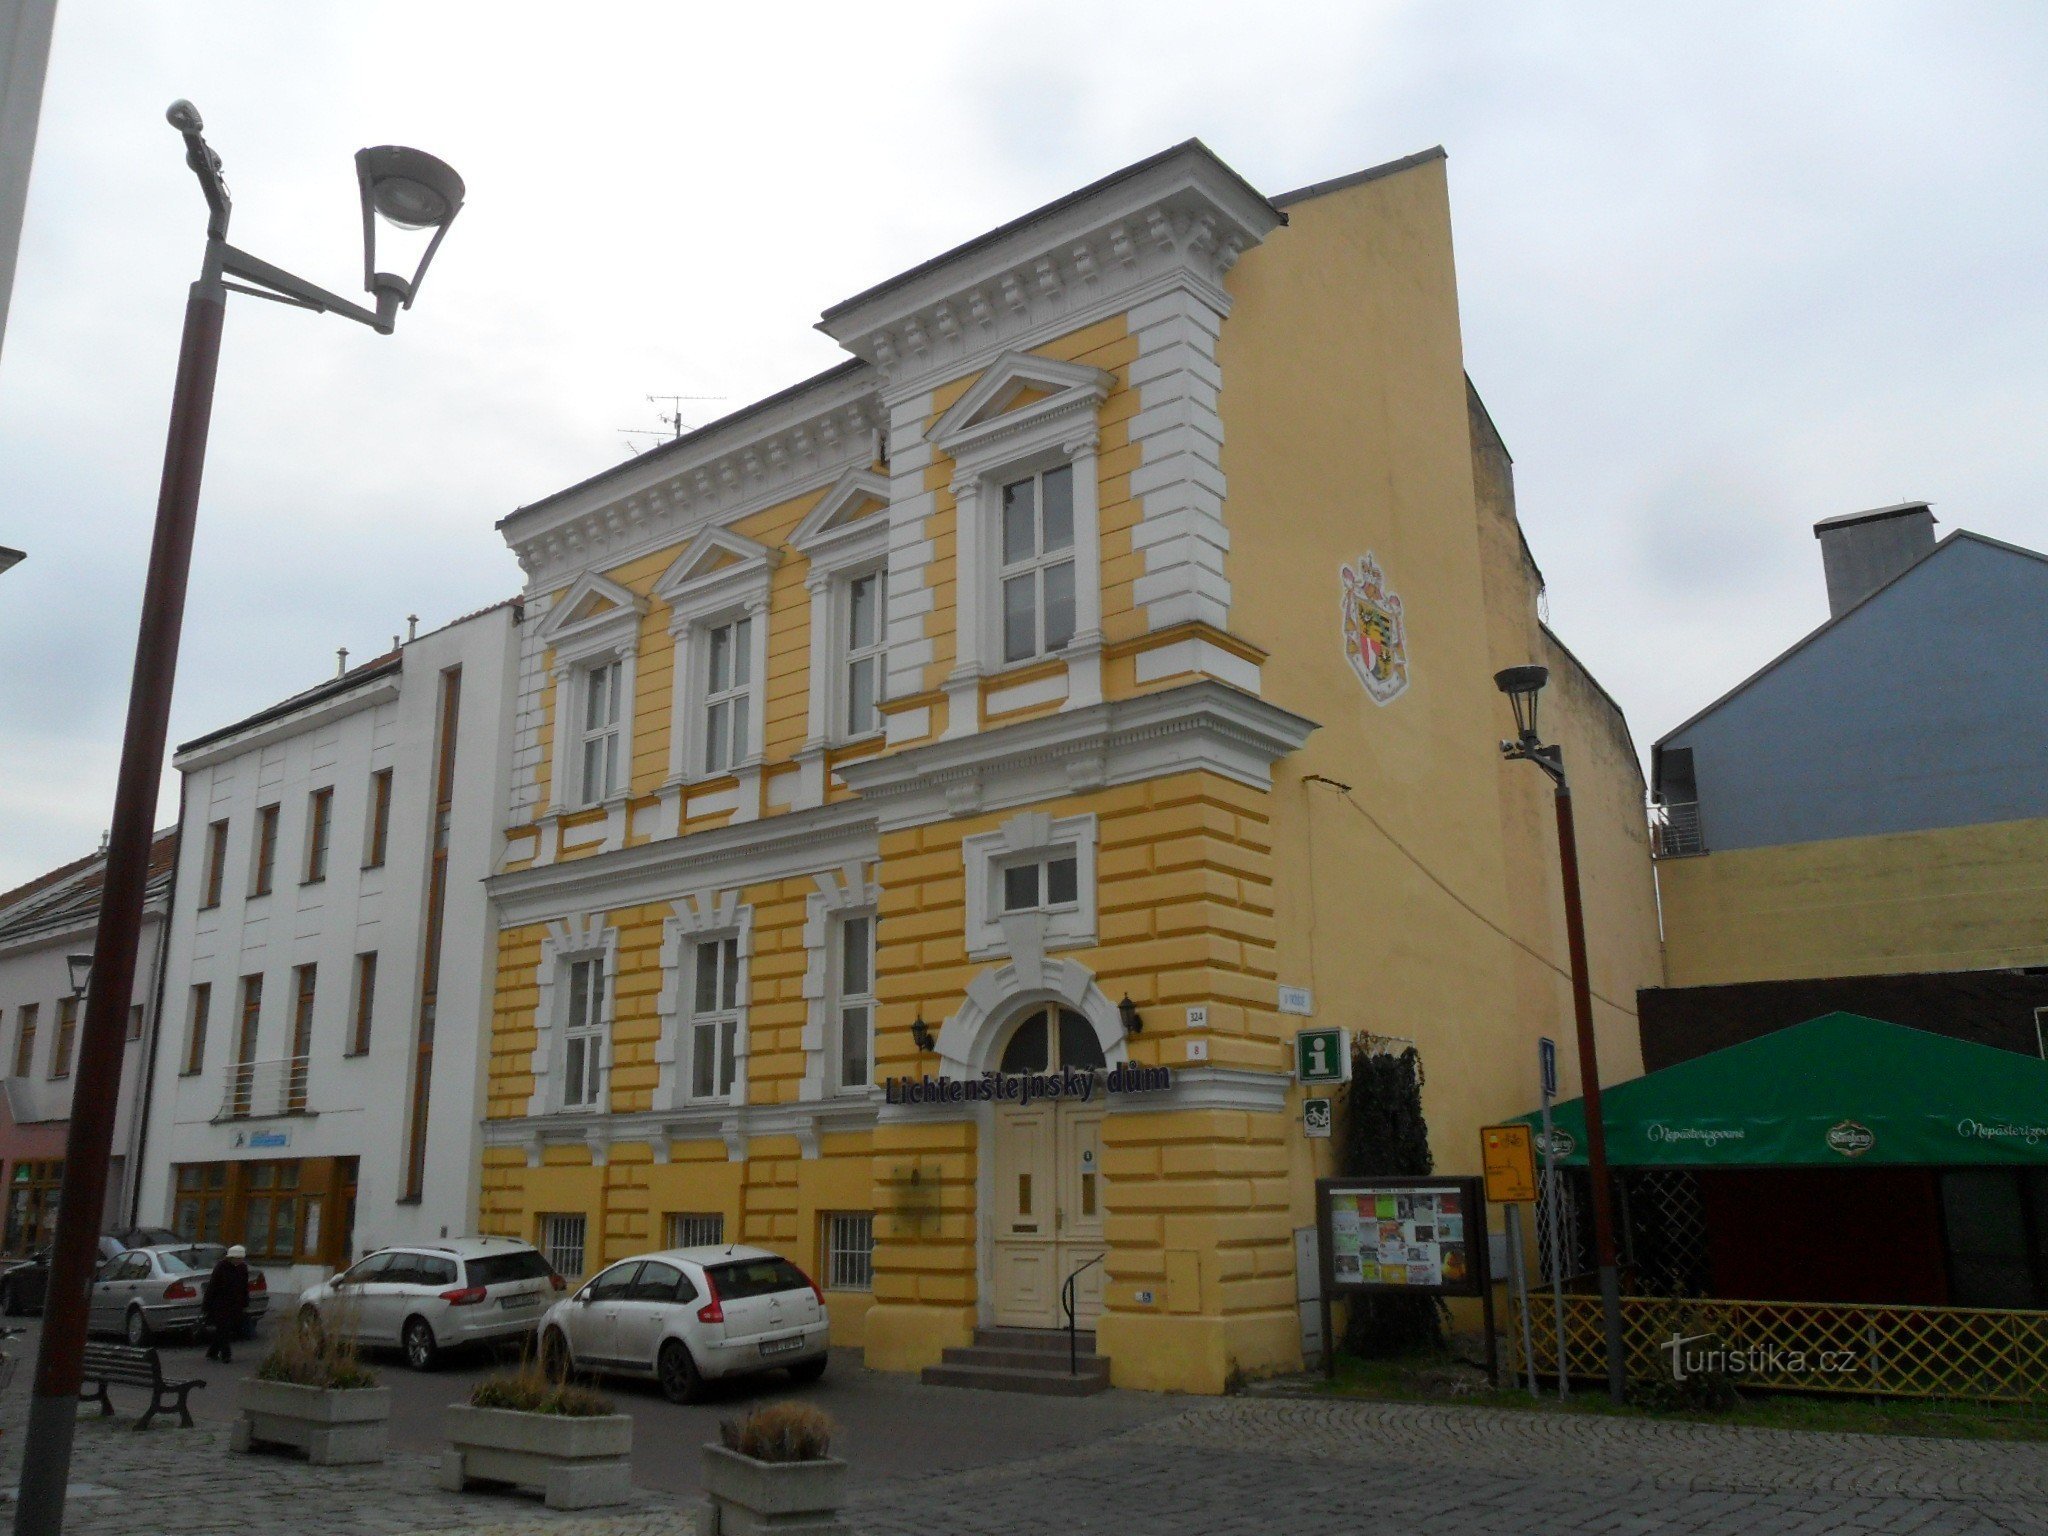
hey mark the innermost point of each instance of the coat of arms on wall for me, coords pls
(1375, 635)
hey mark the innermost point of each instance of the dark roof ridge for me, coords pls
(1356, 178)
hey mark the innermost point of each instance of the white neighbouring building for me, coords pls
(43, 924)
(318, 1076)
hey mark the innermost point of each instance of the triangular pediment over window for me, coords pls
(716, 558)
(1019, 392)
(593, 605)
(857, 503)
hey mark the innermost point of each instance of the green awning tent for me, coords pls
(1837, 1091)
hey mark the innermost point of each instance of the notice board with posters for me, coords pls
(1390, 1233)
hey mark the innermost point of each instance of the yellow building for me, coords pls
(1015, 712)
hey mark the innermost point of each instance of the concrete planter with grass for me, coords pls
(334, 1426)
(576, 1463)
(783, 1496)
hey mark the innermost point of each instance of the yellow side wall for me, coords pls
(1411, 905)
(1952, 899)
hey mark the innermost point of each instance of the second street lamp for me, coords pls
(411, 191)
(1524, 688)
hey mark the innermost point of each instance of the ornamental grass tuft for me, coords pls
(312, 1356)
(530, 1389)
(780, 1432)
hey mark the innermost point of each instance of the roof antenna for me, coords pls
(340, 660)
(672, 424)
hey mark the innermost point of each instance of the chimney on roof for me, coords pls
(1861, 551)
(341, 661)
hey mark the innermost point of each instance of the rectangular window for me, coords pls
(1042, 884)
(728, 672)
(135, 1022)
(266, 850)
(216, 862)
(319, 818)
(366, 999)
(856, 1002)
(693, 1229)
(864, 650)
(583, 1068)
(714, 1020)
(67, 1036)
(1037, 574)
(195, 1029)
(561, 1239)
(850, 1251)
(25, 1039)
(601, 715)
(304, 979)
(245, 1046)
(380, 819)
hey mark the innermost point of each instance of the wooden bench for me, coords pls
(124, 1365)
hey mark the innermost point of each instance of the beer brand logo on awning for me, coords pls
(1375, 634)
(1851, 1139)
(1558, 1143)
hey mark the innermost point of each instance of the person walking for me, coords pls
(227, 1302)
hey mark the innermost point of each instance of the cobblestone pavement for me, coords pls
(1308, 1467)
(1311, 1468)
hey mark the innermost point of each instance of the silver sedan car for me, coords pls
(144, 1292)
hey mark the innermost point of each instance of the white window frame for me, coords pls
(845, 537)
(846, 1242)
(568, 940)
(1040, 865)
(1027, 838)
(844, 999)
(726, 713)
(580, 646)
(585, 1008)
(992, 445)
(1036, 567)
(561, 1234)
(720, 577)
(611, 732)
(852, 655)
(692, 1229)
(717, 1023)
(702, 918)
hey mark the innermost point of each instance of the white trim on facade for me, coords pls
(849, 891)
(699, 918)
(1025, 835)
(582, 937)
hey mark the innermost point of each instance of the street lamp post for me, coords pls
(402, 188)
(1523, 685)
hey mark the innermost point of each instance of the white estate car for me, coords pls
(436, 1296)
(689, 1315)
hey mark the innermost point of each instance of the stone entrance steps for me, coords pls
(1023, 1360)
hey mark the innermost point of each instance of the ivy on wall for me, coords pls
(1384, 1132)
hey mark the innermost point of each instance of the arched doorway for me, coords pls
(1048, 1203)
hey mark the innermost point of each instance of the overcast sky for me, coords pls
(1723, 273)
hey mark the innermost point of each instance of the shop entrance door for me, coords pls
(1048, 1182)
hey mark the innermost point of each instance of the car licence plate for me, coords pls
(782, 1346)
(518, 1301)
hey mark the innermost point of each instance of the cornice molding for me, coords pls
(743, 853)
(1201, 725)
(1186, 215)
(764, 458)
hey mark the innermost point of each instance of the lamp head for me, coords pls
(1522, 685)
(81, 972)
(1127, 1013)
(411, 191)
(921, 1033)
(184, 117)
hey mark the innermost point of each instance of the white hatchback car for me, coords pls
(690, 1315)
(436, 1296)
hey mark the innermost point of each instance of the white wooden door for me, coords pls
(1048, 1214)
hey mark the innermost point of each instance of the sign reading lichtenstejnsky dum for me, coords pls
(1021, 1088)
